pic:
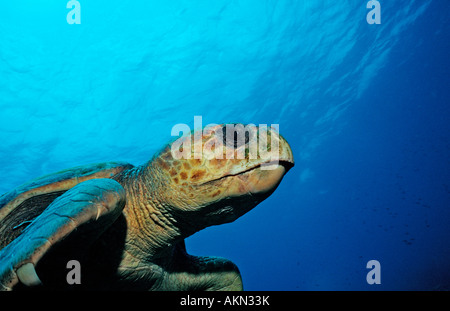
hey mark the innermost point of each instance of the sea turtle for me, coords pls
(125, 226)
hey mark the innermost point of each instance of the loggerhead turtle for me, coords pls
(126, 225)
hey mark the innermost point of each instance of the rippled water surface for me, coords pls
(364, 107)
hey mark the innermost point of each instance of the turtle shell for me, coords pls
(22, 205)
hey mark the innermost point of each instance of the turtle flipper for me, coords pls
(202, 273)
(210, 274)
(91, 202)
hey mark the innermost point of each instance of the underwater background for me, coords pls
(365, 108)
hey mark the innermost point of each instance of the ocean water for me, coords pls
(365, 107)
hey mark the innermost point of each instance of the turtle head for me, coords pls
(216, 174)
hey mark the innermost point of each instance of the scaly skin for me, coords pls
(169, 200)
(128, 233)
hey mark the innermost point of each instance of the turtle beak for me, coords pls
(286, 155)
(265, 178)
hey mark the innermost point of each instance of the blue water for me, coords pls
(365, 108)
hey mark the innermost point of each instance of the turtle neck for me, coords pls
(151, 229)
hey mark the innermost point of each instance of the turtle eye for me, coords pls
(232, 134)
